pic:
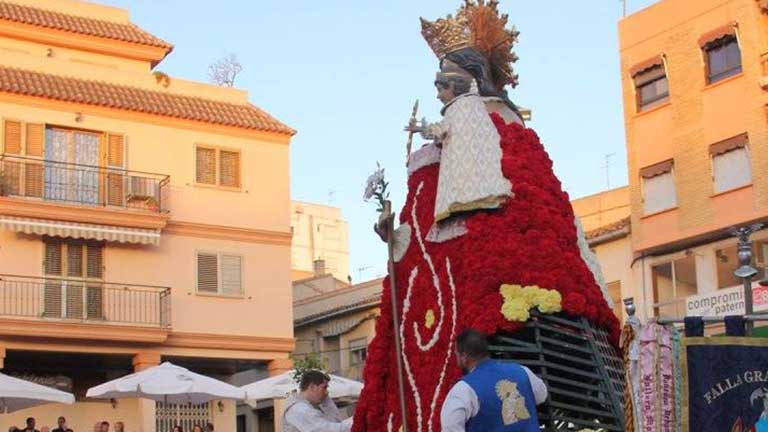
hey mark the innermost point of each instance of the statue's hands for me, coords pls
(382, 226)
(415, 127)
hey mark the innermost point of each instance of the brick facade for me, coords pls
(697, 115)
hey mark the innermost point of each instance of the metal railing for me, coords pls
(83, 184)
(88, 301)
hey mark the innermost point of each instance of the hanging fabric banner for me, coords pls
(657, 384)
(726, 384)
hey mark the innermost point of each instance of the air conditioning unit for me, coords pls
(141, 188)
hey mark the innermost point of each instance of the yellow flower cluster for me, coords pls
(429, 319)
(518, 301)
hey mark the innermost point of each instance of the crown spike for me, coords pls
(477, 24)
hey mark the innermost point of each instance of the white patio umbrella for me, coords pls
(17, 394)
(281, 386)
(167, 383)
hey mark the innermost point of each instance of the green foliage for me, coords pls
(307, 362)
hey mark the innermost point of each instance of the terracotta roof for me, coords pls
(247, 116)
(615, 227)
(76, 24)
(337, 302)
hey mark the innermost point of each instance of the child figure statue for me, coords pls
(470, 163)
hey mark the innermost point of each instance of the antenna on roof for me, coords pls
(608, 163)
(360, 271)
(624, 7)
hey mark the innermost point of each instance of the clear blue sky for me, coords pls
(345, 73)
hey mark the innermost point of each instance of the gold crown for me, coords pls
(446, 35)
(479, 25)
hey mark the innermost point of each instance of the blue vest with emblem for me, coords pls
(507, 403)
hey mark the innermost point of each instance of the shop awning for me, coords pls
(81, 230)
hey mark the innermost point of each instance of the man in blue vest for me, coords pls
(493, 396)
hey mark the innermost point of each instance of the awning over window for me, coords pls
(646, 65)
(81, 230)
(739, 141)
(656, 169)
(717, 34)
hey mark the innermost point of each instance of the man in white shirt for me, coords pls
(311, 410)
(493, 396)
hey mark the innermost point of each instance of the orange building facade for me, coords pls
(143, 218)
(695, 88)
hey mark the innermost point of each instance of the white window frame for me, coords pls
(674, 190)
(219, 286)
(355, 348)
(675, 299)
(714, 174)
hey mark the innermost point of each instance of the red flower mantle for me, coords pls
(530, 241)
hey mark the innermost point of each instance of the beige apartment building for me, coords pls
(320, 234)
(338, 324)
(143, 218)
(605, 219)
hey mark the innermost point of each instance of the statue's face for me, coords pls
(445, 92)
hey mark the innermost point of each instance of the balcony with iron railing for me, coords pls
(82, 302)
(93, 186)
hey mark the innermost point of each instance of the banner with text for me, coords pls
(729, 301)
(725, 384)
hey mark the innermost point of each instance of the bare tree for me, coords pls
(224, 71)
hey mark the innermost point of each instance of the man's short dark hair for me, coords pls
(61, 418)
(105, 423)
(209, 426)
(472, 343)
(315, 377)
(30, 419)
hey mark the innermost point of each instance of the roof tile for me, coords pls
(29, 83)
(127, 32)
(608, 229)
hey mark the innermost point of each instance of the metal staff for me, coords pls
(410, 133)
(390, 221)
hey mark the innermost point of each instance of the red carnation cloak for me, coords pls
(531, 240)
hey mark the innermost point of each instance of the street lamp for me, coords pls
(746, 272)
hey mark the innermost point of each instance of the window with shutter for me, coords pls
(95, 265)
(33, 179)
(74, 259)
(731, 170)
(229, 167)
(53, 268)
(12, 169)
(74, 288)
(115, 150)
(652, 87)
(33, 170)
(205, 171)
(35, 140)
(73, 271)
(659, 193)
(231, 275)
(723, 58)
(658, 187)
(12, 137)
(94, 269)
(207, 272)
(53, 257)
(115, 178)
